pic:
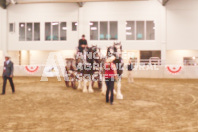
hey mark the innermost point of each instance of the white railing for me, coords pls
(139, 71)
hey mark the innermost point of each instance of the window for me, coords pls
(93, 30)
(63, 29)
(140, 30)
(29, 31)
(113, 31)
(130, 30)
(74, 26)
(150, 57)
(55, 31)
(190, 61)
(11, 27)
(47, 31)
(103, 30)
(21, 31)
(36, 31)
(150, 30)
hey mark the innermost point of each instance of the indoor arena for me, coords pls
(98, 66)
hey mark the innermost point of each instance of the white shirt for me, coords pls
(7, 62)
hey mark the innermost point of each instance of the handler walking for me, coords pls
(110, 76)
(8, 74)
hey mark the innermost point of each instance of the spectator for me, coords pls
(130, 71)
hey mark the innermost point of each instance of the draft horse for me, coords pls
(88, 68)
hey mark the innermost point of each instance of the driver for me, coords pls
(82, 44)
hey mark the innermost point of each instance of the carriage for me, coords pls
(70, 73)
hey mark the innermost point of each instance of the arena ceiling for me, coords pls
(5, 3)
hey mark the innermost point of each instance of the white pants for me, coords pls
(130, 76)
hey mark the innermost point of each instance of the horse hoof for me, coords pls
(91, 91)
(79, 88)
(120, 96)
(84, 91)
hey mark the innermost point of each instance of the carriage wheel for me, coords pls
(99, 84)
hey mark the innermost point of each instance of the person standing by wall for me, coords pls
(130, 71)
(8, 74)
(110, 77)
(82, 44)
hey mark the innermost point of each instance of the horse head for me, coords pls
(118, 53)
(110, 51)
(117, 49)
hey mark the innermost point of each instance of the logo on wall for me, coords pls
(174, 69)
(31, 69)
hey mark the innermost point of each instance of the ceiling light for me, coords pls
(93, 28)
(128, 28)
(128, 33)
(55, 23)
(64, 28)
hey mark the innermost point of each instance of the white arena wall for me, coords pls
(182, 27)
(176, 56)
(43, 13)
(3, 33)
(91, 11)
(122, 12)
(175, 29)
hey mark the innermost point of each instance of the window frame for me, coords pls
(153, 29)
(145, 30)
(24, 31)
(25, 26)
(13, 28)
(75, 25)
(146, 61)
(108, 31)
(33, 39)
(59, 31)
(98, 26)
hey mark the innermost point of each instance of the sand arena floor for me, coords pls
(149, 105)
